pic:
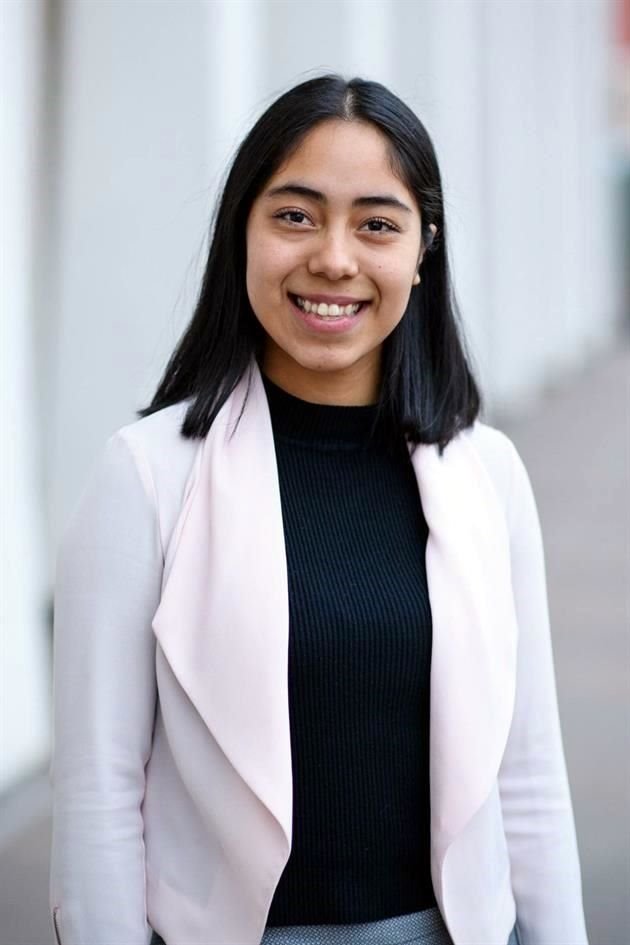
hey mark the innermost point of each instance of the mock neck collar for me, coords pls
(330, 424)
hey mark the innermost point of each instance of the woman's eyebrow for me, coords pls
(301, 190)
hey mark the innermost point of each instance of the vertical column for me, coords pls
(368, 40)
(440, 74)
(303, 40)
(233, 78)
(597, 197)
(24, 728)
(133, 210)
(513, 96)
(517, 204)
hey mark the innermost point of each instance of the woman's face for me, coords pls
(333, 227)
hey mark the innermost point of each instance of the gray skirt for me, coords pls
(416, 928)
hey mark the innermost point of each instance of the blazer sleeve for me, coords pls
(533, 783)
(107, 587)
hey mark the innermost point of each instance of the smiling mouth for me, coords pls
(322, 310)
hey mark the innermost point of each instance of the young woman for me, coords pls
(304, 687)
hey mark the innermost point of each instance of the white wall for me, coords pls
(148, 102)
(24, 719)
(134, 199)
(440, 74)
(513, 95)
(548, 213)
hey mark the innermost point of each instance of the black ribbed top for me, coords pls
(359, 661)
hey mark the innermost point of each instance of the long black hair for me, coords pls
(428, 391)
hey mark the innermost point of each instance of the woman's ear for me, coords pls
(433, 229)
(425, 246)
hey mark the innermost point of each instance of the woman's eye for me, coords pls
(298, 218)
(284, 214)
(376, 223)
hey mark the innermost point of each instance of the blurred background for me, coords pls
(119, 118)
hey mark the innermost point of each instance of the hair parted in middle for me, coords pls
(428, 391)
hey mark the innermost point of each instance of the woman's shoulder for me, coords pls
(493, 444)
(163, 458)
(501, 459)
(159, 432)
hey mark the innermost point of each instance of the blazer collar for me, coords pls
(223, 619)
(473, 660)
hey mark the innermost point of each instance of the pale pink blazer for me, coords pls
(172, 760)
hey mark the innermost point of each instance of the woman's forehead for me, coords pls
(341, 161)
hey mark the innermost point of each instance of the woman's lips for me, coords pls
(327, 324)
(330, 299)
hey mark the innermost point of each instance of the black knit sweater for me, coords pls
(359, 661)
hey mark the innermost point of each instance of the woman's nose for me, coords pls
(333, 257)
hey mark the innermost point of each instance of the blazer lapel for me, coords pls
(223, 619)
(473, 665)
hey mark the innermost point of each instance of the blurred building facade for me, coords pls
(119, 119)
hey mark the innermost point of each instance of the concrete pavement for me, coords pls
(576, 446)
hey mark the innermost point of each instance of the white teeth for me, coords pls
(327, 311)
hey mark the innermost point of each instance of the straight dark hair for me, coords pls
(428, 392)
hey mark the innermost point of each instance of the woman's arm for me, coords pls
(109, 572)
(533, 784)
